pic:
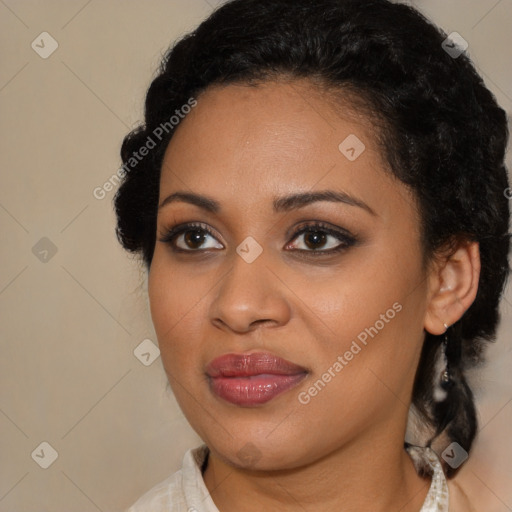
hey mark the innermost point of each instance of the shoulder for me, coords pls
(180, 492)
(459, 501)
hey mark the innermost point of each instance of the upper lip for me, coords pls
(247, 365)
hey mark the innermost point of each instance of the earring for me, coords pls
(446, 378)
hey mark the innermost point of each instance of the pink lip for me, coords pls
(252, 379)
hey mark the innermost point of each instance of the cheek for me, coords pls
(370, 315)
(345, 302)
(178, 302)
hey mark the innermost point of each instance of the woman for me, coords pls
(318, 195)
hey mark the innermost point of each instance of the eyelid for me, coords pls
(320, 226)
(171, 234)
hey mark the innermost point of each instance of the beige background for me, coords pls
(70, 321)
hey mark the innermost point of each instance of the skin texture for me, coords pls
(244, 147)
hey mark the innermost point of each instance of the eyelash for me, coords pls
(346, 240)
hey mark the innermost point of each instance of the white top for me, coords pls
(185, 490)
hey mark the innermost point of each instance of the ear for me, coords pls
(453, 284)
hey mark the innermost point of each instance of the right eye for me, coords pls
(190, 238)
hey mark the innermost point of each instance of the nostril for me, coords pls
(262, 321)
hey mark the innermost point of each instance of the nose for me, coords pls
(250, 295)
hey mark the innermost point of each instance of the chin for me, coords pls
(259, 453)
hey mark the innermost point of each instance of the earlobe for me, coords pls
(453, 287)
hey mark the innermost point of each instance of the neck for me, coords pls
(368, 474)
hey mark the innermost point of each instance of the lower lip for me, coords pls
(254, 390)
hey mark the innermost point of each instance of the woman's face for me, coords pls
(283, 345)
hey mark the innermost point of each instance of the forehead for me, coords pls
(253, 143)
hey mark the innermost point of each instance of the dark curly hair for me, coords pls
(441, 130)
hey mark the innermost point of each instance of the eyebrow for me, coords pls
(281, 204)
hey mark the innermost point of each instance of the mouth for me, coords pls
(249, 380)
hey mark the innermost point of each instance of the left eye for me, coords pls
(316, 239)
